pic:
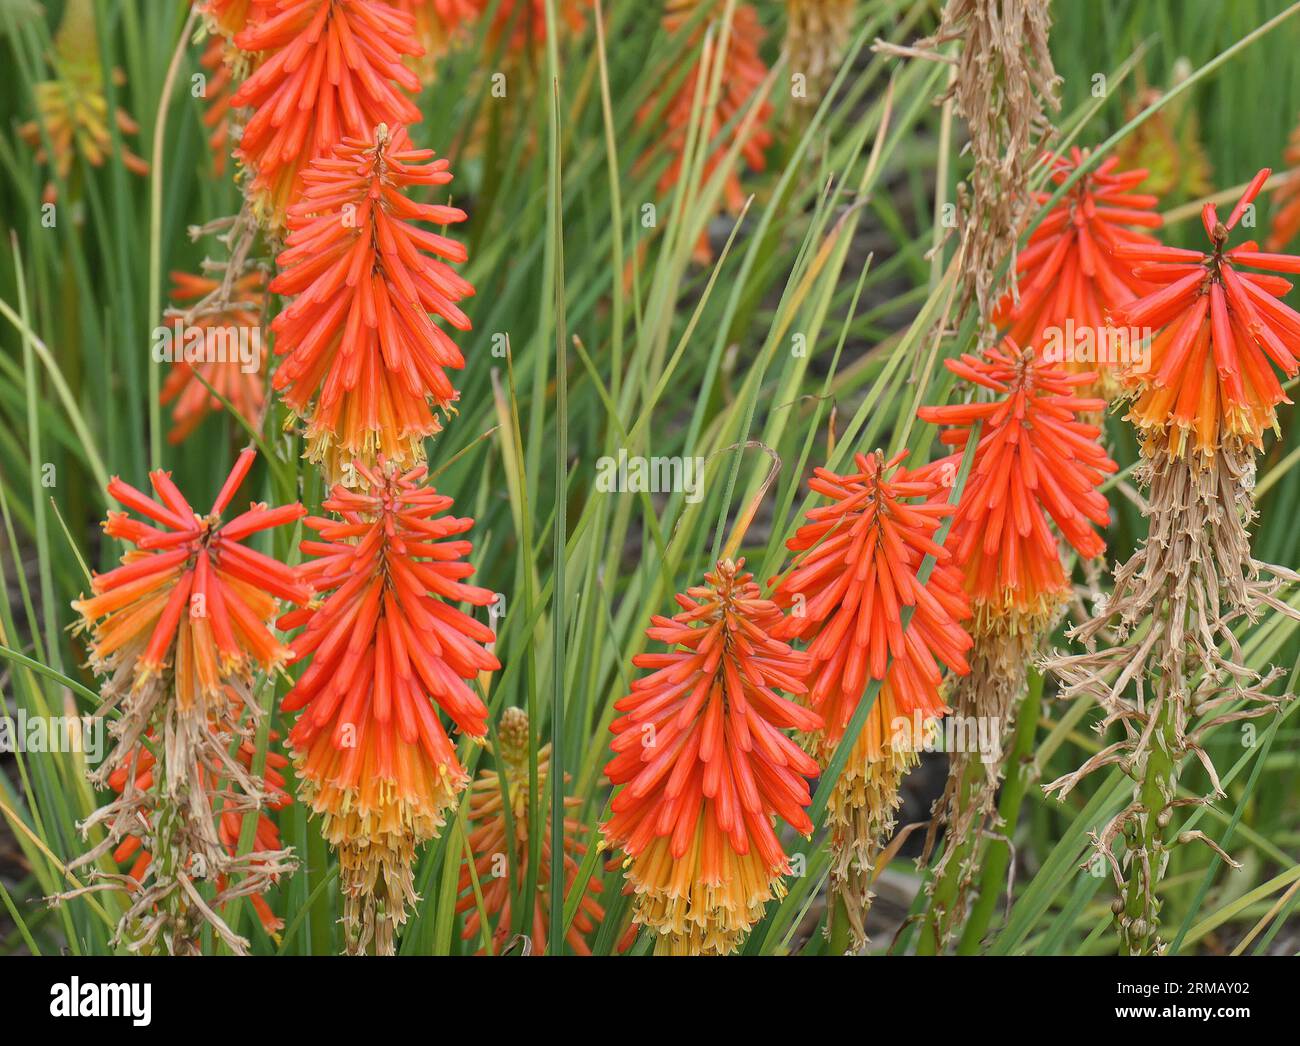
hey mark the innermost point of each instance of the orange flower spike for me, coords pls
(1068, 272)
(137, 610)
(388, 652)
(706, 767)
(856, 569)
(487, 842)
(742, 78)
(239, 375)
(329, 70)
(1286, 199)
(364, 361)
(1035, 460)
(1221, 331)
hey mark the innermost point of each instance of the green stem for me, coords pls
(1019, 772)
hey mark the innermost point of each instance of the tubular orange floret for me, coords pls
(328, 70)
(1035, 461)
(488, 843)
(854, 577)
(1068, 275)
(232, 362)
(388, 650)
(364, 361)
(437, 25)
(742, 79)
(1222, 330)
(706, 768)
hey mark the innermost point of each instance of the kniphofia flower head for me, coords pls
(177, 629)
(389, 650)
(491, 844)
(72, 112)
(1068, 276)
(1286, 199)
(329, 70)
(706, 768)
(191, 598)
(1035, 462)
(365, 362)
(231, 360)
(1221, 331)
(854, 579)
(742, 79)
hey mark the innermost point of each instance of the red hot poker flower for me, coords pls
(228, 327)
(1035, 460)
(192, 595)
(177, 630)
(500, 866)
(329, 70)
(1068, 274)
(365, 362)
(1222, 330)
(742, 79)
(855, 575)
(388, 650)
(706, 768)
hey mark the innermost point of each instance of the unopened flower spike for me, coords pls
(501, 862)
(389, 651)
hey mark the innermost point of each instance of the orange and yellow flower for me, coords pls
(706, 768)
(191, 596)
(1222, 330)
(327, 70)
(365, 363)
(500, 866)
(388, 650)
(1068, 275)
(854, 583)
(1035, 462)
(222, 326)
